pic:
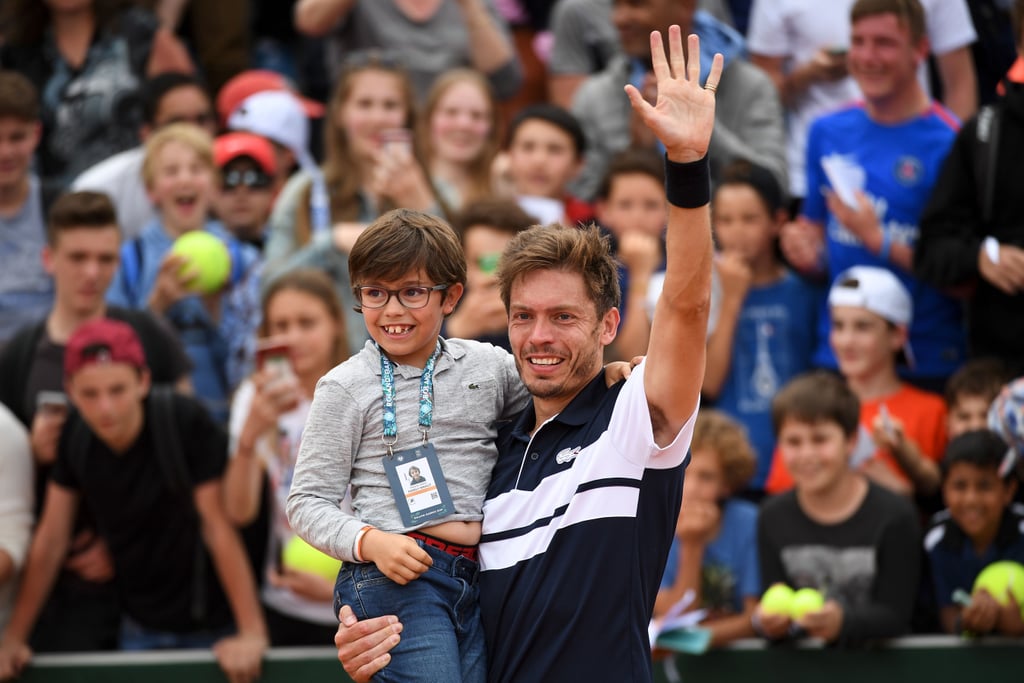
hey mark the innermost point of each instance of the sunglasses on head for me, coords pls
(256, 180)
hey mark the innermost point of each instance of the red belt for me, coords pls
(467, 551)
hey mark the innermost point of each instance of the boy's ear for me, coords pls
(145, 383)
(899, 337)
(451, 298)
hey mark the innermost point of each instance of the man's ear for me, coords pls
(610, 326)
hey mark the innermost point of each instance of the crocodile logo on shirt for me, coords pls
(567, 455)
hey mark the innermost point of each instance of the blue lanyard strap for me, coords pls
(387, 384)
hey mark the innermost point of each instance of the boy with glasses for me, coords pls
(246, 193)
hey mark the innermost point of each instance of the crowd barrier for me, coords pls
(928, 659)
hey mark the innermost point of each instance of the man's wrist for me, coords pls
(688, 184)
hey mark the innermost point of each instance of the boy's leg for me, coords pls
(429, 649)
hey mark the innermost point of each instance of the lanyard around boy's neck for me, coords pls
(387, 384)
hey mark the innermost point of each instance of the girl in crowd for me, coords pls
(302, 314)
(460, 133)
(371, 166)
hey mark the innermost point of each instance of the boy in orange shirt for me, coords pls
(871, 311)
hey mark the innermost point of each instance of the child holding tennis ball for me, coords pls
(217, 327)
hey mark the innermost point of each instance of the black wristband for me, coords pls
(688, 186)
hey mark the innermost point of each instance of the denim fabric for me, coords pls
(135, 637)
(442, 635)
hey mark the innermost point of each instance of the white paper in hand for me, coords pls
(846, 177)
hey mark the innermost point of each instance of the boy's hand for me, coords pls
(803, 246)
(90, 558)
(887, 433)
(861, 220)
(14, 656)
(982, 614)
(640, 253)
(240, 657)
(45, 434)
(306, 584)
(399, 557)
(363, 646)
(1010, 622)
(684, 113)
(698, 522)
(825, 623)
(172, 283)
(772, 626)
(734, 274)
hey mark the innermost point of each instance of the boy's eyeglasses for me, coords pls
(252, 179)
(410, 297)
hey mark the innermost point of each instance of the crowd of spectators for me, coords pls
(866, 232)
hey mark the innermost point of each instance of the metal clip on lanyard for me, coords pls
(426, 411)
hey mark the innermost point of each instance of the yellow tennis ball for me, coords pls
(207, 256)
(1000, 577)
(778, 599)
(806, 600)
(303, 557)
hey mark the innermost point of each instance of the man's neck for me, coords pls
(14, 196)
(62, 322)
(902, 106)
(879, 385)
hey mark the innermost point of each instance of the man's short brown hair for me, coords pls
(910, 13)
(19, 99)
(74, 210)
(404, 240)
(555, 247)
(817, 396)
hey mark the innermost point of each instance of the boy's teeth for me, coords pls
(396, 329)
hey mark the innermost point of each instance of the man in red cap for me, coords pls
(247, 190)
(112, 454)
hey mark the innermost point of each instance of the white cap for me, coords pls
(278, 115)
(876, 290)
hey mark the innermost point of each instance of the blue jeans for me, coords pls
(442, 635)
(135, 637)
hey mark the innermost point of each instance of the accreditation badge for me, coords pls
(418, 485)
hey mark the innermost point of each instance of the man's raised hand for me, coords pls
(684, 114)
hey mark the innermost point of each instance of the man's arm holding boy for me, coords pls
(683, 118)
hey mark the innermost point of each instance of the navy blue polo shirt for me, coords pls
(578, 522)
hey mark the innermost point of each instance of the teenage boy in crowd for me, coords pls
(81, 255)
(979, 526)
(245, 196)
(871, 313)
(26, 291)
(561, 597)
(108, 457)
(544, 153)
(836, 531)
(166, 99)
(870, 170)
(218, 329)
(969, 394)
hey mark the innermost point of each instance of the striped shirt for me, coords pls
(577, 526)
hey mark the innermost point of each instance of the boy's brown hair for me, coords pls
(404, 240)
(19, 99)
(555, 247)
(501, 214)
(193, 137)
(631, 162)
(817, 396)
(715, 431)
(76, 210)
(910, 13)
(981, 377)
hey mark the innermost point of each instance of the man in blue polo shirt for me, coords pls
(582, 506)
